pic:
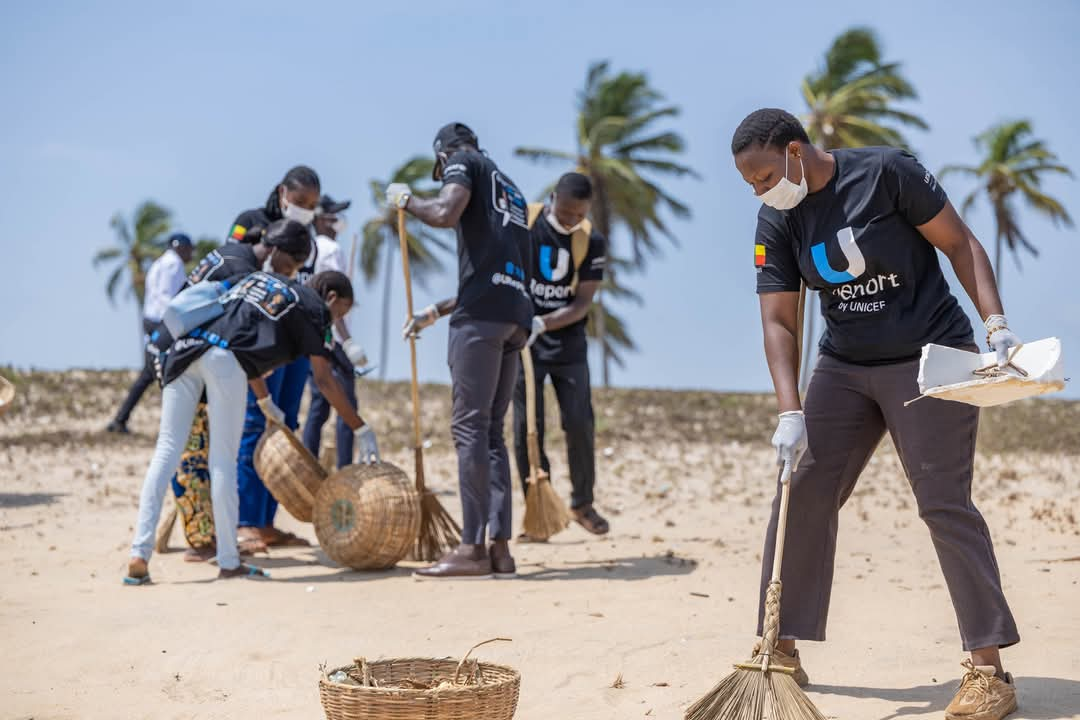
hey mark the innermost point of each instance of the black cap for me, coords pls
(179, 240)
(330, 206)
(450, 136)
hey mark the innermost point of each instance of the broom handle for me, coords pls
(532, 442)
(417, 442)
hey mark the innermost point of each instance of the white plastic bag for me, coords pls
(193, 307)
(950, 374)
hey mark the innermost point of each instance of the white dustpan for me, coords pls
(951, 374)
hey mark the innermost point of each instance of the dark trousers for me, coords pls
(848, 409)
(286, 386)
(145, 379)
(572, 390)
(319, 411)
(483, 358)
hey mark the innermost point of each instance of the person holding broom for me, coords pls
(863, 228)
(489, 324)
(568, 265)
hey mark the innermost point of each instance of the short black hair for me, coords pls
(297, 178)
(575, 185)
(767, 127)
(331, 281)
(288, 236)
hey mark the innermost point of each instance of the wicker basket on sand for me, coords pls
(367, 516)
(420, 689)
(7, 394)
(289, 471)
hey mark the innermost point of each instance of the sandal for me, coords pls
(200, 554)
(244, 571)
(279, 538)
(138, 572)
(591, 520)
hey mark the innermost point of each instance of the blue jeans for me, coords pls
(286, 386)
(319, 411)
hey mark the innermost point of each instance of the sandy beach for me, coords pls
(637, 624)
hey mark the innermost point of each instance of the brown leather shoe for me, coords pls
(591, 520)
(502, 562)
(788, 661)
(982, 695)
(465, 562)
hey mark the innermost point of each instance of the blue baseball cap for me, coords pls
(179, 240)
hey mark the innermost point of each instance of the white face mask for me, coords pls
(785, 194)
(554, 221)
(339, 226)
(295, 212)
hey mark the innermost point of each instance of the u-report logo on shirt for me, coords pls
(856, 262)
(554, 270)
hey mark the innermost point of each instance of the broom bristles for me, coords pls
(545, 512)
(750, 694)
(439, 532)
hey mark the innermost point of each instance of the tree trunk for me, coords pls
(384, 347)
(601, 212)
(997, 261)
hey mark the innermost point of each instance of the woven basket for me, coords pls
(289, 471)
(7, 394)
(484, 691)
(367, 517)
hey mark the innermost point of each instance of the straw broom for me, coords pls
(545, 512)
(759, 690)
(439, 532)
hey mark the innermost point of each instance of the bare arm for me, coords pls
(258, 386)
(949, 234)
(576, 310)
(331, 390)
(445, 307)
(442, 211)
(779, 324)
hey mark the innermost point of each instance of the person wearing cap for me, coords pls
(164, 279)
(347, 353)
(490, 321)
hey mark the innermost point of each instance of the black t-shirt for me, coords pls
(855, 241)
(269, 321)
(550, 286)
(258, 217)
(492, 239)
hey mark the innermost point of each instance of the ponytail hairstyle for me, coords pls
(299, 177)
(288, 236)
(331, 281)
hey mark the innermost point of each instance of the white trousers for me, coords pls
(226, 399)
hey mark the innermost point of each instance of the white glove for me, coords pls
(790, 438)
(396, 194)
(538, 329)
(1000, 338)
(355, 353)
(425, 318)
(273, 413)
(369, 448)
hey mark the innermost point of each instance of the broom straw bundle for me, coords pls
(757, 689)
(545, 512)
(439, 532)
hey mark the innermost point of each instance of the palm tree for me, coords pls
(851, 102)
(380, 235)
(138, 244)
(1014, 163)
(621, 151)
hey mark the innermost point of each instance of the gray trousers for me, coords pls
(483, 358)
(848, 409)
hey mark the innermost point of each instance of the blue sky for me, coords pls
(204, 105)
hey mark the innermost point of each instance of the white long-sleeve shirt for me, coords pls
(330, 255)
(164, 279)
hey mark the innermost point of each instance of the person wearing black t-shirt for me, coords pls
(283, 254)
(268, 320)
(489, 324)
(562, 289)
(863, 228)
(294, 198)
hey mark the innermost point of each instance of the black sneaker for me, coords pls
(117, 427)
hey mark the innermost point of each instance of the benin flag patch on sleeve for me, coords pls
(759, 255)
(239, 231)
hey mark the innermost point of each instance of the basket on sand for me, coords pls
(289, 471)
(367, 516)
(420, 689)
(7, 394)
